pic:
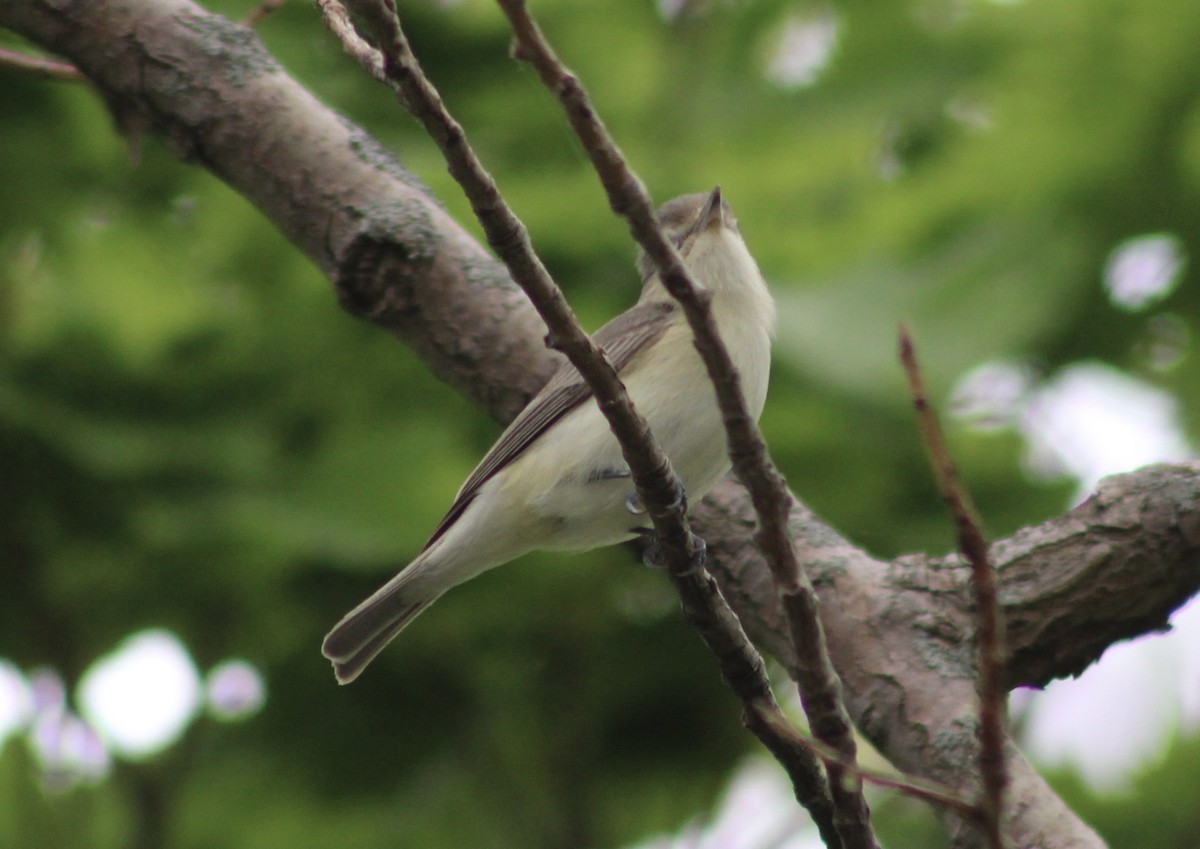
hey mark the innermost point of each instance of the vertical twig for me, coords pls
(819, 685)
(369, 57)
(992, 767)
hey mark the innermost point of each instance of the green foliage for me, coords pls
(1159, 809)
(193, 436)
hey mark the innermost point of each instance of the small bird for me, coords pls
(555, 480)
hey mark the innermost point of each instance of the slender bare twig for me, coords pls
(337, 20)
(266, 7)
(38, 66)
(992, 768)
(929, 791)
(820, 687)
(743, 670)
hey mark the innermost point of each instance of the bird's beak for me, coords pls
(713, 212)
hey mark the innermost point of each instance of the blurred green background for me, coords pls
(194, 437)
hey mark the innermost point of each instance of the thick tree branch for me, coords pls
(396, 258)
(1113, 568)
(901, 632)
(898, 632)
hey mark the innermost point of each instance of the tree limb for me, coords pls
(900, 632)
(395, 256)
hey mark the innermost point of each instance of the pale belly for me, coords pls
(579, 481)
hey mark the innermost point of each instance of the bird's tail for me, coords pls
(364, 631)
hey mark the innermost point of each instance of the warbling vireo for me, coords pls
(555, 479)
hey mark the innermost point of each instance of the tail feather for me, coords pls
(446, 562)
(367, 629)
(349, 660)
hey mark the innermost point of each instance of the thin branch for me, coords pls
(38, 66)
(971, 542)
(929, 791)
(262, 10)
(337, 21)
(819, 685)
(744, 671)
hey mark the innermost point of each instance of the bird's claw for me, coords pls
(633, 502)
(678, 499)
(652, 553)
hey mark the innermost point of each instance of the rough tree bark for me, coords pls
(900, 631)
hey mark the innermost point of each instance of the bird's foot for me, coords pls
(699, 557)
(653, 556)
(633, 502)
(652, 553)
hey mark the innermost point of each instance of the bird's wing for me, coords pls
(622, 338)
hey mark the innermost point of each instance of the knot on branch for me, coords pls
(376, 269)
